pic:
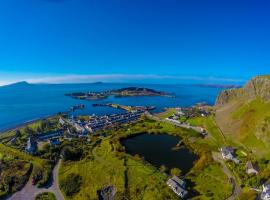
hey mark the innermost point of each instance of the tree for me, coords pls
(163, 168)
(18, 133)
(29, 132)
(71, 184)
(70, 153)
(176, 172)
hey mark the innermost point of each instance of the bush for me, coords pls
(45, 196)
(251, 195)
(41, 174)
(71, 153)
(176, 171)
(71, 184)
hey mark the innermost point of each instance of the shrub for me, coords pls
(71, 153)
(71, 184)
(45, 196)
(176, 171)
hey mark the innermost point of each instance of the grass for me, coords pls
(145, 182)
(210, 125)
(109, 168)
(169, 112)
(14, 174)
(212, 183)
(133, 177)
(253, 131)
(105, 170)
(38, 164)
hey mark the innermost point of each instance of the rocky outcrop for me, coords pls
(256, 87)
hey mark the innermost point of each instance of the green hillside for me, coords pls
(243, 115)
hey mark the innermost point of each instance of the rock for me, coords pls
(256, 87)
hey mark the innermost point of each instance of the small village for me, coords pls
(73, 127)
(70, 128)
(79, 129)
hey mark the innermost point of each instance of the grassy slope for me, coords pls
(244, 124)
(210, 125)
(38, 163)
(12, 132)
(212, 183)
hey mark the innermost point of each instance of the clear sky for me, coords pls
(66, 39)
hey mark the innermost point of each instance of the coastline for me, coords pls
(21, 125)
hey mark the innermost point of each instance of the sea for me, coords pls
(22, 103)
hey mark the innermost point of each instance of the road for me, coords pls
(178, 124)
(236, 189)
(30, 191)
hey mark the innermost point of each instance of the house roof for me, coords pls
(178, 181)
(266, 192)
(249, 165)
(177, 187)
(227, 149)
(107, 193)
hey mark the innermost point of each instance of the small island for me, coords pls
(124, 92)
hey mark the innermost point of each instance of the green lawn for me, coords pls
(212, 183)
(210, 125)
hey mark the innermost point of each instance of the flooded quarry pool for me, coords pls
(158, 150)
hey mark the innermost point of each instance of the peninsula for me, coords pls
(123, 92)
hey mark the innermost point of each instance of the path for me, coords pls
(30, 191)
(236, 189)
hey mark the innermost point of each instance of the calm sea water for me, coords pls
(28, 102)
(157, 149)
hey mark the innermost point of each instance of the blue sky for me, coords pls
(66, 40)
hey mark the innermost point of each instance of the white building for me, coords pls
(178, 186)
(61, 121)
(227, 153)
(265, 195)
(251, 169)
(31, 145)
(79, 128)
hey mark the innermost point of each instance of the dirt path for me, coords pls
(236, 189)
(30, 191)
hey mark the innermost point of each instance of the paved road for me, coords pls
(236, 189)
(30, 191)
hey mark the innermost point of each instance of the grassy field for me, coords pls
(131, 178)
(210, 125)
(169, 112)
(212, 183)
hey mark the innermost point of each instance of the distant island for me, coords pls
(123, 92)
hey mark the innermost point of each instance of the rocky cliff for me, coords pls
(256, 87)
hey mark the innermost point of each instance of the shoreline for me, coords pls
(21, 125)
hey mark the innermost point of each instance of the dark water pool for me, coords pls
(157, 149)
